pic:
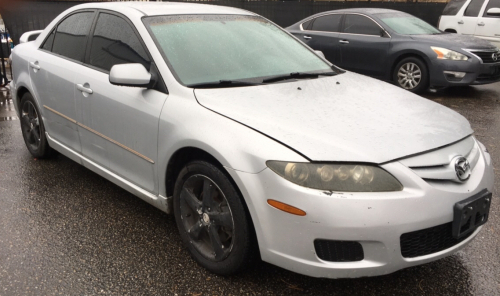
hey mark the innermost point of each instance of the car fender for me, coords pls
(186, 124)
(401, 50)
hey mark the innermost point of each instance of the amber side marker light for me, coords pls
(286, 208)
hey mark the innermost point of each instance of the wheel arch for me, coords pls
(451, 31)
(405, 55)
(183, 156)
(180, 158)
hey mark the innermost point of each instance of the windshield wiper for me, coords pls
(223, 83)
(296, 75)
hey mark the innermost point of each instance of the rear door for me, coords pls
(52, 71)
(363, 46)
(488, 26)
(119, 127)
(468, 23)
(322, 33)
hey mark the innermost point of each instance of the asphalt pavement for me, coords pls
(64, 230)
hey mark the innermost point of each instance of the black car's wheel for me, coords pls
(411, 74)
(33, 128)
(212, 219)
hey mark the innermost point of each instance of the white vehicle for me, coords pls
(255, 143)
(480, 18)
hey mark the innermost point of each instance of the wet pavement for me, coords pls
(66, 231)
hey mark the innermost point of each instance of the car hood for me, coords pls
(348, 117)
(455, 41)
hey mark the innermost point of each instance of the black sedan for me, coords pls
(398, 47)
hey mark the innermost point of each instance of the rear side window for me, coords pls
(71, 35)
(474, 8)
(327, 23)
(358, 24)
(115, 42)
(453, 7)
(491, 4)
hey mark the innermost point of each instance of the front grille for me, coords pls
(430, 240)
(338, 251)
(487, 56)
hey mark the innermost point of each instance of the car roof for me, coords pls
(367, 10)
(167, 8)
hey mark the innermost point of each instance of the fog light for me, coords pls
(454, 76)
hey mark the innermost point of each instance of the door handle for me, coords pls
(84, 89)
(344, 41)
(481, 24)
(35, 65)
(460, 22)
(307, 37)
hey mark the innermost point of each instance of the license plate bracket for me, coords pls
(471, 213)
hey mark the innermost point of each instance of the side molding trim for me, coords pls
(101, 135)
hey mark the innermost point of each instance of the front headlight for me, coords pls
(446, 54)
(336, 177)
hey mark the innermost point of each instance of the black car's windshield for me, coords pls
(201, 49)
(406, 24)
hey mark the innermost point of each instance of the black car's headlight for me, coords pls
(447, 54)
(336, 177)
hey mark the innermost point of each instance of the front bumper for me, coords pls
(476, 72)
(375, 220)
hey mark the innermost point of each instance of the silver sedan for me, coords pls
(258, 145)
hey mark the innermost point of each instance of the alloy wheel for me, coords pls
(409, 75)
(207, 218)
(30, 124)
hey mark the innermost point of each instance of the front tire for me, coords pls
(411, 74)
(212, 219)
(33, 128)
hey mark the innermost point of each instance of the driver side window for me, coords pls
(115, 42)
(491, 4)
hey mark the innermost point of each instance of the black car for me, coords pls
(396, 46)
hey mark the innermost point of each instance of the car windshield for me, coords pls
(406, 24)
(217, 48)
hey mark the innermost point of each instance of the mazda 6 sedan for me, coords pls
(257, 145)
(398, 47)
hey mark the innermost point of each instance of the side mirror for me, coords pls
(493, 11)
(320, 53)
(30, 36)
(130, 75)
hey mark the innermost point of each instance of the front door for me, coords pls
(363, 47)
(488, 26)
(119, 127)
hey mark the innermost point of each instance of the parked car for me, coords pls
(398, 47)
(255, 143)
(480, 18)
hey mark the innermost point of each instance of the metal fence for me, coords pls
(31, 15)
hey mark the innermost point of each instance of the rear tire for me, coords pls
(411, 74)
(33, 128)
(212, 219)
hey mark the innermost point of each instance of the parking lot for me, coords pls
(66, 231)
